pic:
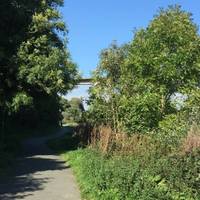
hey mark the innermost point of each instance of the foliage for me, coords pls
(128, 178)
(172, 129)
(150, 86)
(141, 113)
(191, 106)
(134, 85)
(35, 65)
(104, 96)
(73, 110)
(66, 142)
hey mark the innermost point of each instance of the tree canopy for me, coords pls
(161, 61)
(35, 65)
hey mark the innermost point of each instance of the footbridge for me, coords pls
(85, 81)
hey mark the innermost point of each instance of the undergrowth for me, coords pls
(128, 177)
(145, 174)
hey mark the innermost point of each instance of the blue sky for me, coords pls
(94, 24)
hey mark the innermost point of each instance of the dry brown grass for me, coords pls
(120, 143)
(192, 141)
(103, 138)
(83, 132)
(107, 141)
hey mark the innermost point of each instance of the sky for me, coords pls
(94, 24)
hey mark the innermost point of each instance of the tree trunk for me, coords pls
(3, 126)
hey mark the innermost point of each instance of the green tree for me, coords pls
(163, 60)
(15, 17)
(43, 60)
(73, 110)
(133, 89)
(104, 96)
(166, 55)
(35, 63)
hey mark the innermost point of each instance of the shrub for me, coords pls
(126, 177)
(141, 113)
(171, 130)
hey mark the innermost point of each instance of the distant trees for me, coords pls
(34, 62)
(140, 80)
(73, 110)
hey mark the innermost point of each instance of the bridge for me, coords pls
(85, 81)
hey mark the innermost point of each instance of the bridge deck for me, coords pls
(85, 81)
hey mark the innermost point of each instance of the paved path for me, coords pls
(40, 175)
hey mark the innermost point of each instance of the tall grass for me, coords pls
(192, 140)
(121, 167)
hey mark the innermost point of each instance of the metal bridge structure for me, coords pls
(85, 81)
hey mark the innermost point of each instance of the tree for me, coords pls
(162, 61)
(35, 63)
(104, 96)
(15, 17)
(133, 89)
(166, 54)
(73, 110)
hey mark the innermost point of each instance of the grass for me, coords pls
(119, 177)
(64, 143)
(126, 178)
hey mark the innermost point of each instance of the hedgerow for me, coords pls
(126, 178)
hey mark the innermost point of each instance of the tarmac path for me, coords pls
(40, 174)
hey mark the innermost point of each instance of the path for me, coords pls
(40, 175)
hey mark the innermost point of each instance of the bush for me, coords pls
(127, 177)
(171, 130)
(140, 113)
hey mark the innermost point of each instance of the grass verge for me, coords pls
(175, 177)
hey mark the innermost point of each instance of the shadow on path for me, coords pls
(32, 169)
